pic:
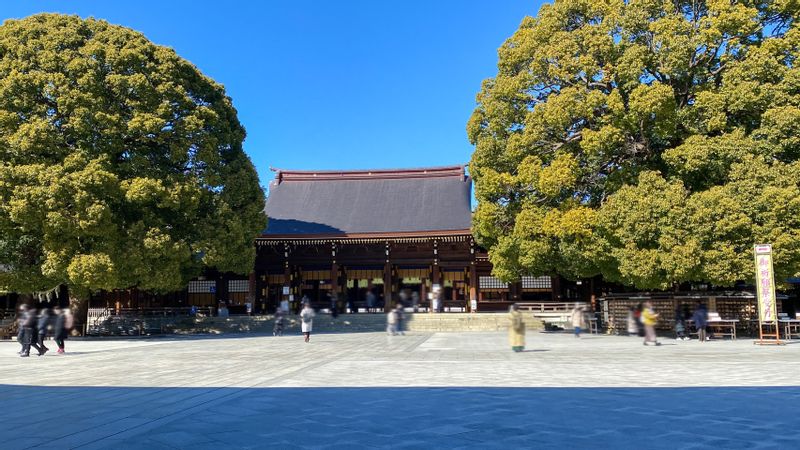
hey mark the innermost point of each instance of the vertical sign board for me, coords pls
(765, 284)
(765, 289)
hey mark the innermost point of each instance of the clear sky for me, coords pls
(331, 84)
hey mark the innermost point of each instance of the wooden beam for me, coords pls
(388, 304)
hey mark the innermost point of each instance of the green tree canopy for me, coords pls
(121, 165)
(653, 142)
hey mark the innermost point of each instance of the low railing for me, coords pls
(548, 307)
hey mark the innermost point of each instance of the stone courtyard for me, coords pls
(421, 390)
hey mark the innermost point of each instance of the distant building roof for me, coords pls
(343, 203)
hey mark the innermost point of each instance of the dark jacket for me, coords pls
(44, 321)
(29, 319)
(59, 331)
(700, 317)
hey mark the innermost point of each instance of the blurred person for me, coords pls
(700, 319)
(436, 300)
(415, 300)
(400, 317)
(370, 301)
(42, 325)
(391, 322)
(637, 314)
(23, 335)
(334, 299)
(649, 320)
(578, 319)
(29, 333)
(633, 327)
(277, 329)
(307, 320)
(516, 328)
(403, 296)
(680, 324)
(60, 330)
(69, 319)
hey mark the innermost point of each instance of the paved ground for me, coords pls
(416, 391)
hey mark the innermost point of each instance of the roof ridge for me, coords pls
(370, 174)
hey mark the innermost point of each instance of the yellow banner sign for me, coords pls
(765, 284)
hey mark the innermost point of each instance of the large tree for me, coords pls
(653, 142)
(121, 165)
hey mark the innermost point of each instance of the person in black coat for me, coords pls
(700, 319)
(59, 329)
(21, 328)
(27, 323)
(41, 326)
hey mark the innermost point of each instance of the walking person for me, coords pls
(23, 338)
(59, 329)
(637, 315)
(370, 301)
(415, 301)
(633, 327)
(400, 317)
(649, 320)
(307, 320)
(334, 299)
(42, 325)
(27, 322)
(277, 329)
(680, 324)
(391, 322)
(700, 319)
(578, 319)
(516, 328)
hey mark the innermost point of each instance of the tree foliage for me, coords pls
(650, 141)
(121, 165)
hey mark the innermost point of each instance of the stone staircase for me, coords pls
(350, 323)
(466, 322)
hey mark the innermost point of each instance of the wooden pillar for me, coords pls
(251, 292)
(335, 278)
(473, 288)
(555, 283)
(515, 291)
(388, 304)
(286, 289)
(437, 294)
(423, 291)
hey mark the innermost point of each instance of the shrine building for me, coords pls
(399, 234)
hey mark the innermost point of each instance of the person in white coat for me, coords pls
(307, 320)
(578, 319)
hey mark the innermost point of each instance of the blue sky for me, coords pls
(331, 85)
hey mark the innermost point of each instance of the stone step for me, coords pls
(423, 322)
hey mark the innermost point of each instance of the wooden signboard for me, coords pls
(765, 296)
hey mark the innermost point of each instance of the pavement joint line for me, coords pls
(419, 341)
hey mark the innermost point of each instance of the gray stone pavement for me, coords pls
(443, 390)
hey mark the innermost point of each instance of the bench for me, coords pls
(791, 327)
(719, 326)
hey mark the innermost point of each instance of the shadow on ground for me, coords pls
(153, 418)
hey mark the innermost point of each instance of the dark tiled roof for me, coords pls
(378, 201)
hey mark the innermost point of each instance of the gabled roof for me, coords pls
(358, 202)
